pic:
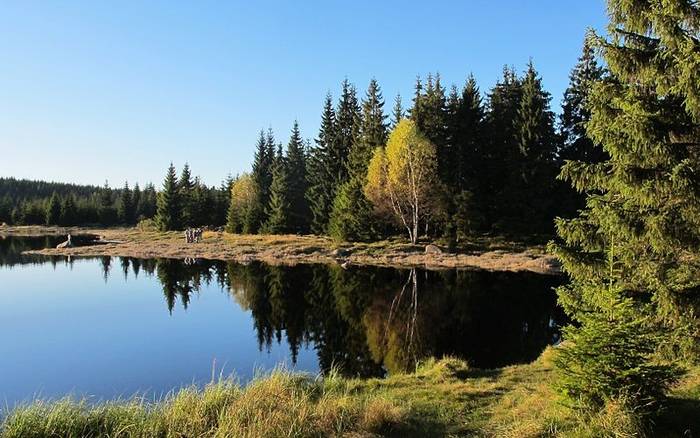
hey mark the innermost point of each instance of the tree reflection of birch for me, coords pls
(411, 313)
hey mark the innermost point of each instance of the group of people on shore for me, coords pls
(193, 235)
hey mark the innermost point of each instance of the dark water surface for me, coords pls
(109, 326)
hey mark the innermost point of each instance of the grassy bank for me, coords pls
(484, 252)
(442, 398)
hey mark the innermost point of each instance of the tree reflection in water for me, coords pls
(370, 321)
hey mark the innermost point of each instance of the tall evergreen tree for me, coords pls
(453, 106)
(202, 204)
(535, 120)
(136, 202)
(416, 111)
(53, 210)
(575, 108)
(186, 187)
(297, 184)
(105, 195)
(530, 197)
(277, 212)
(106, 211)
(430, 114)
(169, 208)
(148, 201)
(642, 213)
(371, 131)
(466, 137)
(351, 217)
(223, 201)
(125, 205)
(502, 158)
(262, 176)
(575, 144)
(397, 112)
(69, 211)
(6, 209)
(348, 117)
(455, 196)
(322, 170)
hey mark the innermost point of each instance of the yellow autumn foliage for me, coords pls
(243, 196)
(402, 181)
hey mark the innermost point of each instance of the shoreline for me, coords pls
(482, 253)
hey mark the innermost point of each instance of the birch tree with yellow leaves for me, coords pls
(402, 180)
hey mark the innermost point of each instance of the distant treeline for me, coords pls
(21, 189)
(26, 202)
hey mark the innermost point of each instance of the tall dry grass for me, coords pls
(440, 398)
(281, 404)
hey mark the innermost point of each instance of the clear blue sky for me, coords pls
(99, 90)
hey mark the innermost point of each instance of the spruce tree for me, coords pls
(575, 108)
(263, 164)
(136, 202)
(223, 201)
(186, 187)
(397, 112)
(277, 211)
(502, 159)
(297, 184)
(528, 202)
(322, 170)
(643, 207)
(53, 210)
(454, 105)
(466, 138)
(105, 195)
(351, 216)
(125, 206)
(201, 204)
(455, 196)
(6, 205)
(148, 201)
(575, 144)
(608, 353)
(371, 131)
(106, 211)
(416, 111)
(169, 207)
(430, 114)
(348, 117)
(69, 211)
(535, 120)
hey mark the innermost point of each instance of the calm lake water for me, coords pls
(110, 326)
